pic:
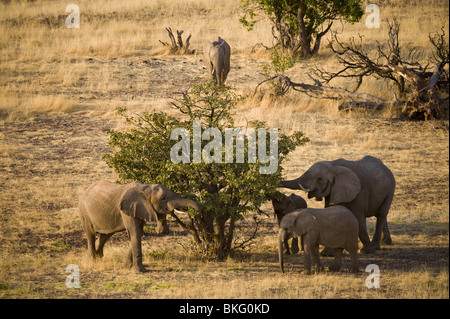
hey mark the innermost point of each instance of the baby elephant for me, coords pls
(282, 206)
(335, 227)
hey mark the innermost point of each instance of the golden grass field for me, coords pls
(59, 88)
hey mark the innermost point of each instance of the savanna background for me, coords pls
(59, 89)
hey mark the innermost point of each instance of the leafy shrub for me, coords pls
(226, 191)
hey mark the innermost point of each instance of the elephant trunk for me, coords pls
(281, 237)
(304, 182)
(178, 202)
(291, 184)
(298, 183)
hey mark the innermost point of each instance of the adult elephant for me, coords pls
(366, 187)
(106, 208)
(217, 58)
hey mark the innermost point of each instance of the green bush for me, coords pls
(226, 191)
(299, 25)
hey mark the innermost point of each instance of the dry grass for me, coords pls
(58, 91)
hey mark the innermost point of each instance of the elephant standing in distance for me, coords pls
(335, 226)
(217, 58)
(366, 187)
(283, 206)
(106, 208)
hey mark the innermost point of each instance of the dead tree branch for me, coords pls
(423, 93)
(244, 242)
(177, 46)
(319, 90)
(422, 90)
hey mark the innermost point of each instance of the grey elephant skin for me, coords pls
(107, 208)
(217, 59)
(282, 206)
(335, 227)
(366, 187)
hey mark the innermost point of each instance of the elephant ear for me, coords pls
(288, 221)
(290, 205)
(346, 186)
(135, 204)
(305, 222)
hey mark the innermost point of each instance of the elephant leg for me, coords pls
(135, 255)
(381, 222)
(209, 67)
(286, 247)
(90, 237)
(337, 264)
(307, 258)
(368, 248)
(224, 73)
(226, 67)
(224, 77)
(91, 244)
(135, 231)
(294, 245)
(162, 227)
(218, 79)
(327, 252)
(129, 259)
(384, 229)
(317, 266)
(101, 243)
(136, 244)
(219, 71)
(286, 244)
(354, 260)
(386, 237)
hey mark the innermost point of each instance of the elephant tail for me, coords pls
(281, 237)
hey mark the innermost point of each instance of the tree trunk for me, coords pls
(319, 38)
(304, 39)
(219, 234)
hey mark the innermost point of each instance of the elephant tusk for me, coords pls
(179, 211)
(305, 189)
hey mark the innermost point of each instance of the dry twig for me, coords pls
(177, 46)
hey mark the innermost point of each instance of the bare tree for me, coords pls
(177, 46)
(422, 87)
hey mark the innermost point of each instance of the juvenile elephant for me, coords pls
(366, 187)
(334, 226)
(282, 206)
(106, 208)
(217, 58)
